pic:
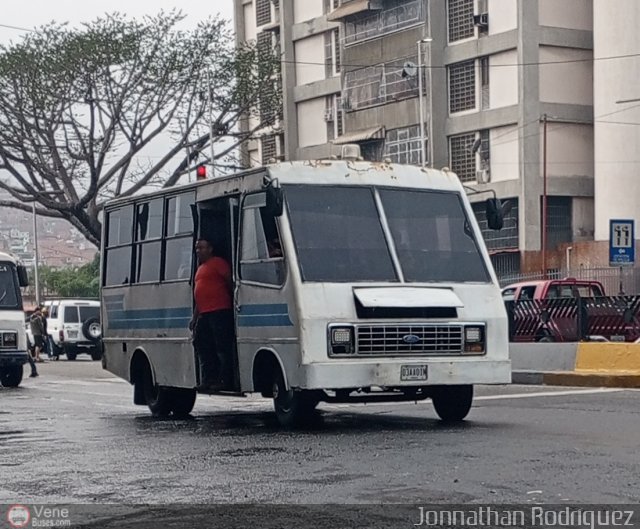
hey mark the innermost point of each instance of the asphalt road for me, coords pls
(73, 436)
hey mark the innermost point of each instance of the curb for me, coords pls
(577, 379)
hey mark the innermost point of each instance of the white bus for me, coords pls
(383, 290)
(13, 338)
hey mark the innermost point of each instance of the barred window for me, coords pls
(559, 213)
(485, 150)
(462, 86)
(331, 53)
(378, 84)
(268, 144)
(334, 116)
(484, 82)
(403, 145)
(460, 19)
(463, 159)
(507, 237)
(263, 12)
(396, 15)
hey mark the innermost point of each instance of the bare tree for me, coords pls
(83, 111)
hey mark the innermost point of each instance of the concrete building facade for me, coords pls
(510, 91)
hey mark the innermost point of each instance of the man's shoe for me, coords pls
(33, 375)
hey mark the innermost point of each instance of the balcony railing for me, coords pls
(363, 27)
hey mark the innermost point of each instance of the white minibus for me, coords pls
(383, 289)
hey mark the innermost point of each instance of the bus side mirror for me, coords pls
(496, 211)
(23, 276)
(275, 200)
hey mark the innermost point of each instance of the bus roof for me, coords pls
(332, 172)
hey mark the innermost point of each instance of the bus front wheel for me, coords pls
(11, 376)
(452, 403)
(292, 407)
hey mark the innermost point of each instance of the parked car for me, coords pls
(74, 327)
(568, 310)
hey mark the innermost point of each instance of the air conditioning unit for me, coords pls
(481, 20)
(328, 114)
(483, 176)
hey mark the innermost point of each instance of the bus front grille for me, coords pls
(392, 340)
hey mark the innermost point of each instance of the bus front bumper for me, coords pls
(13, 358)
(402, 372)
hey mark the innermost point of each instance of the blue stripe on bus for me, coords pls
(166, 318)
(254, 315)
(264, 315)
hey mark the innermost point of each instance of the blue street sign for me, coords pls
(622, 243)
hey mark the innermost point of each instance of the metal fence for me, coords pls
(612, 318)
(616, 281)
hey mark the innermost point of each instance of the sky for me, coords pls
(33, 13)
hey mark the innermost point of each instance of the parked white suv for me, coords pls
(74, 327)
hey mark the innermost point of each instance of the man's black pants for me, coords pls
(213, 341)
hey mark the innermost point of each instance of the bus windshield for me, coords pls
(9, 290)
(339, 237)
(338, 234)
(432, 236)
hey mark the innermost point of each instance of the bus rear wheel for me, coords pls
(11, 376)
(452, 403)
(164, 401)
(158, 399)
(293, 408)
(182, 401)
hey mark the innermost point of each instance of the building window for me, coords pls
(379, 84)
(330, 5)
(484, 83)
(460, 13)
(403, 145)
(396, 15)
(263, 12)
(485, 150)
(462, 86)
(463, 159)
(507, 237)
(559, 213)
(334, 116)
(268, 144)
(332, 53)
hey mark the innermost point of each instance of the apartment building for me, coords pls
(507, 102)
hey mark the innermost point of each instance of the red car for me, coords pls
(569, 310)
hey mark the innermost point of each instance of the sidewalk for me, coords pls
(576, 364)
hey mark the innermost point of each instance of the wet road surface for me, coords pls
(73, 436)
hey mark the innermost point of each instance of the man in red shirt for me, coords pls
(212, 322)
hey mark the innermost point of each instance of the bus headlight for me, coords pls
(341, 340)
(474, 338)
(10, 339)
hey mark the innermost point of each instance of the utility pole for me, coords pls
(544, 196)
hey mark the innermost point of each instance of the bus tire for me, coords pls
(159, 400)
(11, 376)
(182, 401)
(293, 408)
(452, 403)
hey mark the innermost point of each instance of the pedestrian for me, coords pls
(46, 346)
(212, 322)
(38, 331)
(30, 354)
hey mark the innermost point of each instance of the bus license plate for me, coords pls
(413, 372)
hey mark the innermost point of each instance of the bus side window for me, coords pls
(260, 251)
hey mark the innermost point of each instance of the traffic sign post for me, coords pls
(622, 243)
(622, 246)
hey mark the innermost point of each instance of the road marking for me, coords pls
(551, 393)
